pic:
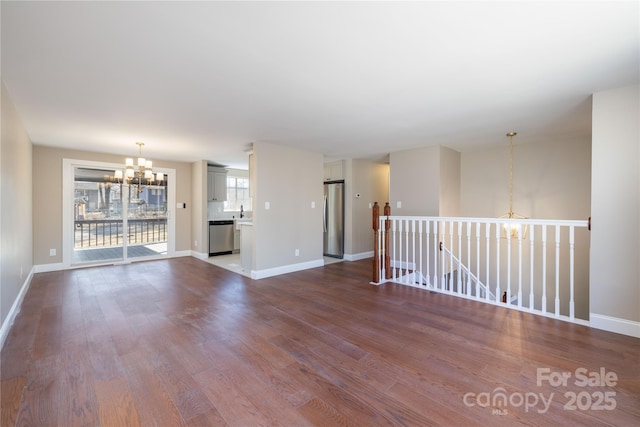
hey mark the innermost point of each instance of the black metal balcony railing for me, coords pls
(98, 233)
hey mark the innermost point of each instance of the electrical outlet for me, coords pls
(399, 204)
(52, 252)
(297, 252)
(196, 244)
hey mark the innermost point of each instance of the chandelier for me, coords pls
(141, 174)
(510, 229)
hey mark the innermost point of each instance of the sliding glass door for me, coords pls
(97, 216)
(146, 220)
(110, 221)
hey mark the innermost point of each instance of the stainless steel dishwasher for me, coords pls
(220, 237)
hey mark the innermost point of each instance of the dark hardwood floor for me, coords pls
(182, 342)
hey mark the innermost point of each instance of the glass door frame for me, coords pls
(68, 177)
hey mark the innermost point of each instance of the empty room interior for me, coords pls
(220, 213)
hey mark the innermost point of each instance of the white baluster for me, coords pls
(421, 271)
(393, 250)
(544, 268)
(531, 263)
(520, 266)
(488, 258)
(381, 250)
(459, 268)
(450, 257)
(571, 272)
(478, 260)
(468, 289)
(413, 251)
(436, 254)
(498, 294)
(509, 265)
(428, 237)
(557, 270)
(443, 230)
(406, 243)
(398, 260)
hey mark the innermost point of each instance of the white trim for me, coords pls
(199, 255)
(45, 268)
(67, 203)
(15, 309)
(615, 324)
(180, 254)
(358, 257)
(284, 269)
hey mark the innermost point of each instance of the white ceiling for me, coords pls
(201, 80)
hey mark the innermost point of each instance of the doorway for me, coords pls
(107, 221)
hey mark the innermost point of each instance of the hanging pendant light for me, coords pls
(140, 174)
(510, 229)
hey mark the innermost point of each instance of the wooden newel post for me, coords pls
(387, 226)
(376, 242)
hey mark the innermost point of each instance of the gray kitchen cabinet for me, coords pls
(216, 185)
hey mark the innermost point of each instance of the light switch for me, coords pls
(267, 205)
(398, 204)
(313, 205)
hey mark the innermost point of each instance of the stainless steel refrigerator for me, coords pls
(333, 219)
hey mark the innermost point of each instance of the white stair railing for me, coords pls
(542, 270)
(464, 280)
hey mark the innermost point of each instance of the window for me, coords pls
(237, 194)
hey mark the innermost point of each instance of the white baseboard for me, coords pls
(358, 257)
(45, 268)
(199, 255)
(178, 254)
(614, 324)
(276, 271)
(15, 309)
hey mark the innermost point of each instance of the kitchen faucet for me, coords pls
(241, 211)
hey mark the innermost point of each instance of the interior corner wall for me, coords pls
(415, 182)
(16, 207)
(290, 184)
(200, 229)
(615, 209)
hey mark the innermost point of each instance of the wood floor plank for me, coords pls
(116, 406)
(182, 342)
(10, 396)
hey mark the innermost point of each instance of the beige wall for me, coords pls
(371, 181)
(415, 181)
(615, 209)
(16, 243)
(551, 180)
(199, 229)
(426, 181)
(290, 180)
(47, 198)
(449, 182)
